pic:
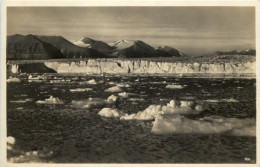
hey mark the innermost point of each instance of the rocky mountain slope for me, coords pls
(69, 50)
(30, 47)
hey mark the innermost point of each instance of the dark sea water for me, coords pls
(67, 133)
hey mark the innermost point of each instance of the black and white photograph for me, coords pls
(130, 85)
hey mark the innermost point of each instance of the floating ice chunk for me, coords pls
(30, 77)
(123, 94)
(51, 100)
(92, 81)
(21, 101)
(109, 112)
(199, 108)
(11, 140)
(174, 87)
(89, 103)
(112, 98)
(114, 89)
(164, 124)
(153, 111)
(19, 108)
(125, 85)
(231, 100)
(136, 99)
(81, 89)
(13, 80)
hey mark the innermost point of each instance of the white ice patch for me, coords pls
(51, 100)
(21, 101)
(13, 80)
(30, 77)
(174, 87)
(123, 94)
(135, 99)
(175, 124)
(112, 98)
(109, 112)
(231, 100)
(89, 103)
(125, 85)
(114, 89)
(81, 89)
(172, 107)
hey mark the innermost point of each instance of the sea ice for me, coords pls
(109, 112)
(112, 98)
(172, 107)
(164, 124)
(174, 87)
(114, 89)
(125, 85)
(123, 94)
(89, 103)
(13, 80)
(50, 100)
(231, 100)
(81, 89)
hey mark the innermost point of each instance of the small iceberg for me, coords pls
(114, 89)
(177, 124)
(81, 90)
(90, 82)
(109, 112)
(231, 100)
(89, 103)
(174, 87)
(112, 98)
(123, 94)
(13, 80)
(30, 77)
(172, 107)
(51, 100)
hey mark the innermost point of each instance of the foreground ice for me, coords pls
(51, 100)
(90, 82)
(172, 107)
(175, 124)
(174, 87)
(13, 80)
(109, 112)
(114, 89)
(81, 89)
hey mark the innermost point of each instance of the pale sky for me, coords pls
(192, 30)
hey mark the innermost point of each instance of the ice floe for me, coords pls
(90, 82)
(108, 112)
(21, 101)
(175, 124)
(13, 80)
(231, 100)
(114, 89)
(123, 94)
(172, 107)
(125, 85)
(88, 103)
(50, 100)
(112, 98)
(81, 89)
(174, 87)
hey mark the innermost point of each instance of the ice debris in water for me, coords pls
(174, 87)
(13, 80)
(123, 94)
(10, 142)
(123, 85)
(114, 89)
(231, 100)
(89, 103)
(165, 124)
(172, 107)
(109, 112)
(81, 89)
(30, 77)
(90, 82)
(112, 98)
(50, 100)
